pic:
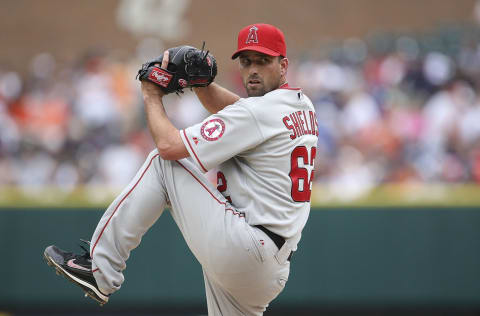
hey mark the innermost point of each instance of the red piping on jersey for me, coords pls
(143, 173)
(205, 187)
(235, 213)
(194, 153)
(93, 271)
(123, 199)
(286, 86)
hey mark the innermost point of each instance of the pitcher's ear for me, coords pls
(283, 65)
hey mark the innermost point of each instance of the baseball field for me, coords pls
(394, 226)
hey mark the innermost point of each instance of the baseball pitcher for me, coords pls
(244, 231)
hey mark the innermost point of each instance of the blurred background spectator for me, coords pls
(392, 107)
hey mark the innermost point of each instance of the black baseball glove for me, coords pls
(187, 67)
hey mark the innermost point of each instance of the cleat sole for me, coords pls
(59, 271)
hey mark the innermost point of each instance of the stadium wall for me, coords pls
(348, 258)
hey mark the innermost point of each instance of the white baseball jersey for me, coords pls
(264, 148)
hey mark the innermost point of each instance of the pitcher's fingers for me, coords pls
(165, 59)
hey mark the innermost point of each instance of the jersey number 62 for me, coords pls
(301, 182)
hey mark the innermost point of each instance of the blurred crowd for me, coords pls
(390, 108)
(396, 108)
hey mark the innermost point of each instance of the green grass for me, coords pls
(405, 195)
(389, 195)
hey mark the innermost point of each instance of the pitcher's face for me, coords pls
(261, 73)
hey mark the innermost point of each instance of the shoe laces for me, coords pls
(86, 249)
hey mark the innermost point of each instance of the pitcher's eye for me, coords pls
(264, 60)
(245, 62)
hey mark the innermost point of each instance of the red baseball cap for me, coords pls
(263, 38)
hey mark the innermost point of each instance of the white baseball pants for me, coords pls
(242, 269)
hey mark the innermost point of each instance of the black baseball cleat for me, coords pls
(77, 269)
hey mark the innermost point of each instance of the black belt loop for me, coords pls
(278, 240)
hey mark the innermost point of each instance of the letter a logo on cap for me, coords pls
(252, 35)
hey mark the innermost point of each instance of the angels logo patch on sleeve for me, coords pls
(213, 129)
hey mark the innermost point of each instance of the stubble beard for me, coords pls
(256, 92)
(261, 89)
